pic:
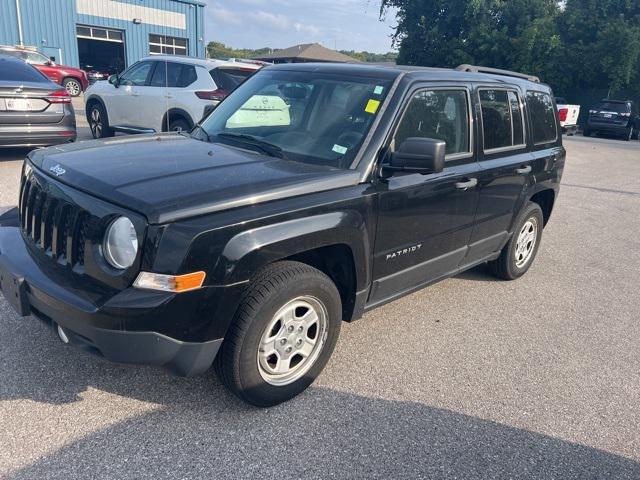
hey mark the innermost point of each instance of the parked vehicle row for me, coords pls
(312, 194)
(74, 80)
(161, 93)
(34, 111)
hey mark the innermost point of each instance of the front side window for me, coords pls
(309, 117)
(502, 119)
(136, 75)
(437, 114)
(173, 75)
(543, 118)
(166, 45)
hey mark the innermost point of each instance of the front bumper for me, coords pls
(102, 328)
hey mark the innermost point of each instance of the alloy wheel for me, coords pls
(526, 242)
(292, 341)
(96, 123)
(73, 88)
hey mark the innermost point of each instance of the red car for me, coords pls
(72, 79)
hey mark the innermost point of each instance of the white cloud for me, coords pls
(309, 29)
(272, 20)
(223, 16)
(282, 22)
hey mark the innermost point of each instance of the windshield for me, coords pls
(307, 117)
(614, 107)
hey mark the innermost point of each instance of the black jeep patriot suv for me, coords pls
(312, 194)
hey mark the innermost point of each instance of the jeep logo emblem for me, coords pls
(57, 170)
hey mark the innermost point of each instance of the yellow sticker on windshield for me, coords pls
(372, 106)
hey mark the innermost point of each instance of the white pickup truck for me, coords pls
(568, 116)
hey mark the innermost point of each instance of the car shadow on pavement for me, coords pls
(481, 273)
(196, 429)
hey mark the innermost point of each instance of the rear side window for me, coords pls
(438, 114)
(18, 71)
(229, 78)
(174, 75)
(543, 118)
(502, 119)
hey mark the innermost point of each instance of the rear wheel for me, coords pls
(98, 121)
(179, 125)
(282, 335)
(630, 134)
(518, 255)
(72, 86)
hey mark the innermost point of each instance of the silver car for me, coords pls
(34, 111)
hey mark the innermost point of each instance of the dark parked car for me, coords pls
(72, 79)
(614, 117)
(312, 194)
(34, 111)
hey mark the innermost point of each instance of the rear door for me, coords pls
(170, 89)
(425, 221)
(507, 166)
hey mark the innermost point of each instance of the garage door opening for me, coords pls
(101, 51)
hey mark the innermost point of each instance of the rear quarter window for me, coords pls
(543, 117)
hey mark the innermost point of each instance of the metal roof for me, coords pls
(308, 52)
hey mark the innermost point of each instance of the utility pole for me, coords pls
(19, 17)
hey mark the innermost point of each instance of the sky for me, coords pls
(336, 24)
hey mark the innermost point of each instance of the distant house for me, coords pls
(307, 52)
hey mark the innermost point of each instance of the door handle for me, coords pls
(472, 182)
(524, 170)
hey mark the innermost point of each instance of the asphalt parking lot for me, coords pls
(472, 378)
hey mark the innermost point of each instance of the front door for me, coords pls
(124, 102)
(425, 221)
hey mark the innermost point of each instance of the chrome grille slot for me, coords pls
(55, 226)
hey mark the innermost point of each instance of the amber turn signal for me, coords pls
(170, 283)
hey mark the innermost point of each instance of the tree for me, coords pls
(570, 44)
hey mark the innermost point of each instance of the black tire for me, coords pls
(72, 86)
(271, 289)
(587, 133)
(179, 124)
(506, 266)
(98, 121)
(630, 134)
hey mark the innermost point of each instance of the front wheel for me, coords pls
(99, 121)
(283, 334)
(518, 255)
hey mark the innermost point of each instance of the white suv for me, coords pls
(161, 93)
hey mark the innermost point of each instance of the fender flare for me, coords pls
(251, 250)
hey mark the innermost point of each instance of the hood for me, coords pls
(171, 176)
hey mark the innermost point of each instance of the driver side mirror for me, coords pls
(418, 155)
(114, 80)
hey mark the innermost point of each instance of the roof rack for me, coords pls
(497, 71)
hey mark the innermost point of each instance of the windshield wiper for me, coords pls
(268, 148)
(206, 134)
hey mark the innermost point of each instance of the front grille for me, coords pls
(53, 225)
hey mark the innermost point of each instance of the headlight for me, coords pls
(120, 245)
